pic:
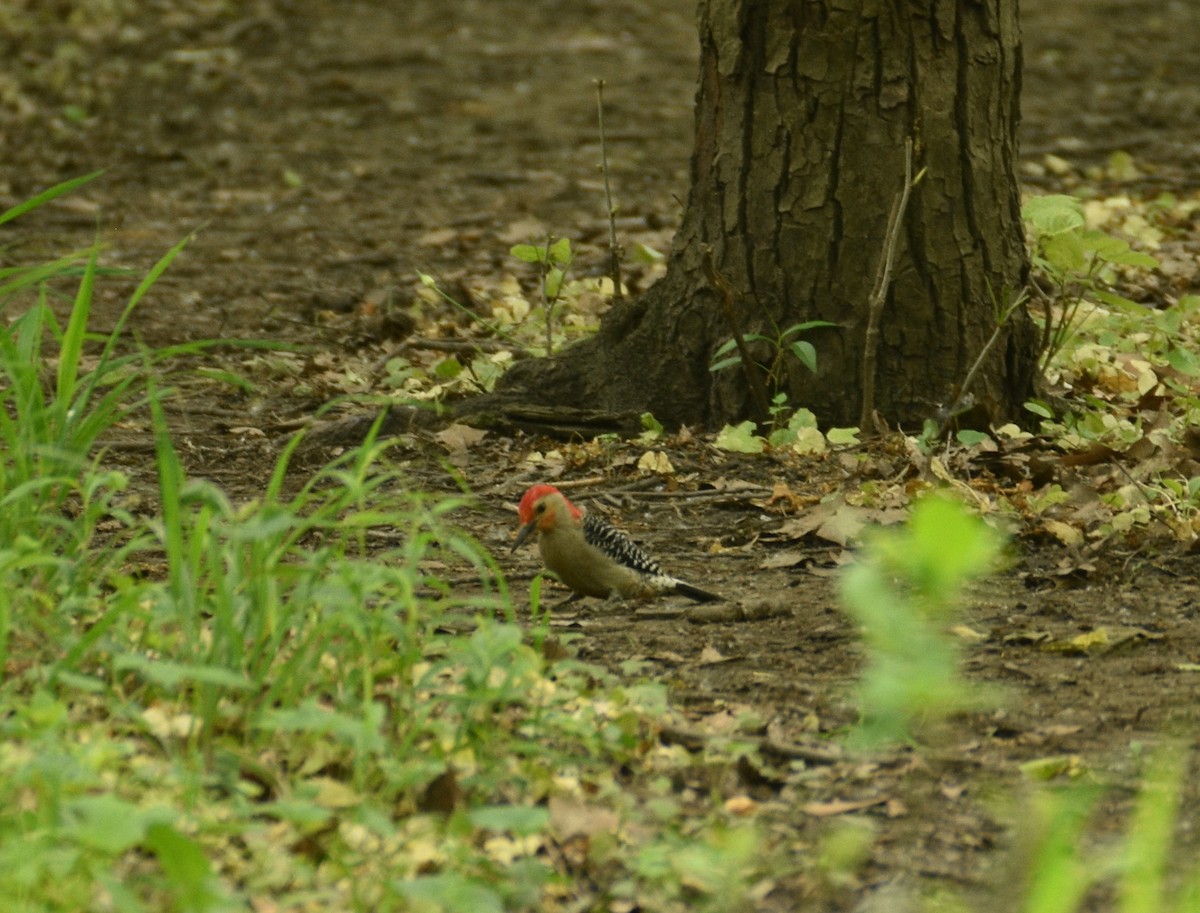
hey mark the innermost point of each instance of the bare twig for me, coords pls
(614, 249)
(547, 302)
(965, 400)
(754, 378)
(883, 281)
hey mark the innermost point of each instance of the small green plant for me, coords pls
(1079, 264)
(904, 592)
(553, 260)
(784, 344)
(1059, 863)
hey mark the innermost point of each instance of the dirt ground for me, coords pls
(326, 150)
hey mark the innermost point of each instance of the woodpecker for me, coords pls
(589, 555)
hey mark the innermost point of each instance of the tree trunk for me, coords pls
(803, 112)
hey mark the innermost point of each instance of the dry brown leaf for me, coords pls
(1064, 532)
(741, 806)
(786, 558)
(965, 632)
(576, 818)
(457, 437)
(657, 462)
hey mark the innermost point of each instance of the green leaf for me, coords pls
(725, 363)
(650, 423)
(186, 867)
(727, 346)
(106, 823)
(946, 546)
(554, 281)
(560, 252)
(805, 353)
(1184, 361)
(1065, 252)
(1120, 303)
(740, 439)
(170, 675)
(642, 253)
(1037, 407)
(969, 437)
(529, 253)
(1053, 214)
(452, 891)
(522, 820)
(46, 195)
(838, 436)
(806, 325)
(802, 418)
(448, 368)
(1188, 304)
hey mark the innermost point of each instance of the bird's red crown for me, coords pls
(525, 511)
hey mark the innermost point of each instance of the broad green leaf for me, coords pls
(448, 368)
(560, 252)
(805, 353)
(969, 437)
(554, 281)
(650, 423)
(1115, 250)
(1184, 361)
(452, 892)
(1065, 252)
(106, 823)
(1120, 303)
(740, 439)
(529, 253)
(517, 819)
(186, 866)
(839, 436)
(1053, 214)
(1037, 407)
(802, 418)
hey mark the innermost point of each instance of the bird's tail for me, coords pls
(695, 593)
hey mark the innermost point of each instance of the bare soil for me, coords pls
(326, 150)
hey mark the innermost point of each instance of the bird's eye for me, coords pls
(540, 509)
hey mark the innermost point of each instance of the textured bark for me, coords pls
(802, 114)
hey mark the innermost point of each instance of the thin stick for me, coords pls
(614, 249)
(547, 304)
(883, 281)
(965, 400)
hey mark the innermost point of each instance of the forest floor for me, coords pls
(326, 151)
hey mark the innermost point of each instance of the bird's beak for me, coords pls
(523, 534)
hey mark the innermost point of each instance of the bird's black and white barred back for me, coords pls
(610, 540)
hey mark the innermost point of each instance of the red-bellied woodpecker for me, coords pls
(591, 557)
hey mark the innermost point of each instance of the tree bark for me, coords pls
(803, 111)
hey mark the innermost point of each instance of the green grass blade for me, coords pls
(47, 195)
(1148, 848)
(28, 276)
(72, 343)
(103, 365)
